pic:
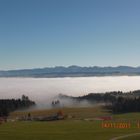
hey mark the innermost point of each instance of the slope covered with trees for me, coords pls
(9, 105)
(117, 102)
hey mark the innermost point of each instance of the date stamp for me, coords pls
(120, 125)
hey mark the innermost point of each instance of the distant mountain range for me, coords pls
(72, 71)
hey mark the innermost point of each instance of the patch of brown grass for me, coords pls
(77, 113)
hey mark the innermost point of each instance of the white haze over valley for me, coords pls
(43, 90)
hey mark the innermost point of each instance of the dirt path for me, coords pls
(125, 136)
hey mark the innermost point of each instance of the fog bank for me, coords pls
(44, 90)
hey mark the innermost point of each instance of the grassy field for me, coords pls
(76, 113)
(73, 128)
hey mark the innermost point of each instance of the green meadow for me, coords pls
(79, 125)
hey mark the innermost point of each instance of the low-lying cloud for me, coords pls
(44, 90)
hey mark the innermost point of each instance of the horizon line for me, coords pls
(69, 66)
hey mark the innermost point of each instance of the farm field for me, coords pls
(79, 126)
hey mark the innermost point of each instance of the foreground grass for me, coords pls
(71, 129)
(60, 130)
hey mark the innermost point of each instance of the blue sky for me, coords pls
(42, 33)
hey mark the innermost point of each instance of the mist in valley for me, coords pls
(45, 90)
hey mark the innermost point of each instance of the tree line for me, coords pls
(124, 105)
(116, 101)
(9, 105)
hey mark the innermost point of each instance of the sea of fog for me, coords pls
(44, 89)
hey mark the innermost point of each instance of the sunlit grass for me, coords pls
(70, 129)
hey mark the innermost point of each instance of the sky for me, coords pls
(46, 33)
